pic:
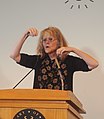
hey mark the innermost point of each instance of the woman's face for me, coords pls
(50, 44)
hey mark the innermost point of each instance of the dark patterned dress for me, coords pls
(47, 73)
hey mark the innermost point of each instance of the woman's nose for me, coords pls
(47, 41)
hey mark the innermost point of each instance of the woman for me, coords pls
(54, 67)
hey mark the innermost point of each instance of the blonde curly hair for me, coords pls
(57, 35)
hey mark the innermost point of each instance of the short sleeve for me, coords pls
(28, 61)
(77, 64)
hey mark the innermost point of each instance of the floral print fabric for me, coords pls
(49, 76)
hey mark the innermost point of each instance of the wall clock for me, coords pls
(78, 3)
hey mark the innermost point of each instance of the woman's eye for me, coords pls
(44, 39)
(50, 39)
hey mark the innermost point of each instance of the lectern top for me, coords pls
(41, 95)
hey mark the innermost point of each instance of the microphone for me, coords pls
(62, 82)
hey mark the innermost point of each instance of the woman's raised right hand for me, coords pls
(32, 32)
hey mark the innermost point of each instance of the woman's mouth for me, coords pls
(47, 46)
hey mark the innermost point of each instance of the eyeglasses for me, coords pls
(50, 39)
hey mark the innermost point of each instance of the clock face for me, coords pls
(29, 114)
(78, 3)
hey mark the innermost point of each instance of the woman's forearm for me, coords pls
(90, 61)
(16, 52)
(15, 55)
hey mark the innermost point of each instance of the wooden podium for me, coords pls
(39, 104)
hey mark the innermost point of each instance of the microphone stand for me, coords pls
(62, 82)
(22, 78)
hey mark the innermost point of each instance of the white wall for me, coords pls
(83, 28)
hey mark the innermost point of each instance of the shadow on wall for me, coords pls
(89, 87)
